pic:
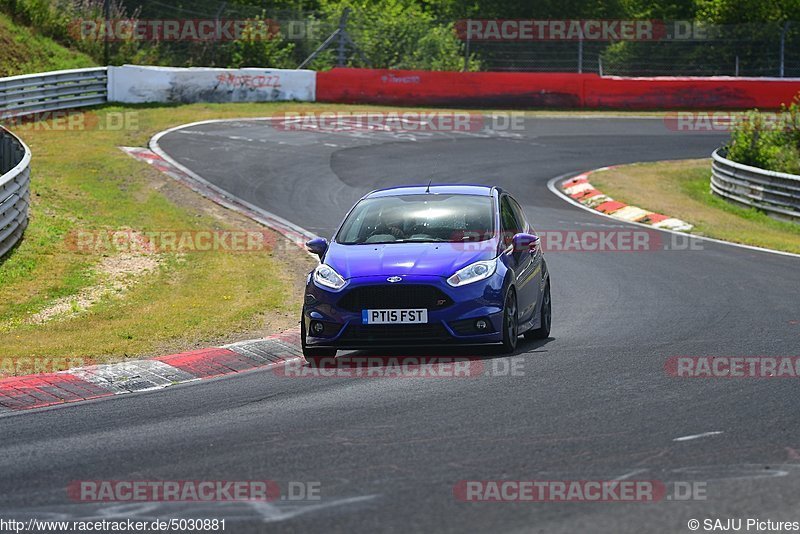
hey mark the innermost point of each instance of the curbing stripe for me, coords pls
(265, 352)
(653, 218)
(95, 381)
(630, 213)
(596, 200)
(575, 189)
(209, 363)
(580, 190)
(586, 195)
(127, 377)
(673, 224)
(37, 391)
(610, 206)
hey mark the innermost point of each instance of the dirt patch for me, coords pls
(117, 274)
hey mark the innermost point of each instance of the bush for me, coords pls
(767, 141)
(255, 49)
(400, 34)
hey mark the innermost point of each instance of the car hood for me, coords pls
(422, 259)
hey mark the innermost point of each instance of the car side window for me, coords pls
(510, 223)
(519, 215)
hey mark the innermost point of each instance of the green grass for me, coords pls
(23, 51)
(82, 181)
(681, 189)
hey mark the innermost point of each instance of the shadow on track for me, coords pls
(389, 357)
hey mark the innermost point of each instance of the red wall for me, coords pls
(553, 90)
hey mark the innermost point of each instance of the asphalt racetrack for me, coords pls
(594, 402)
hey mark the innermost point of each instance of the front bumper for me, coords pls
(449, 322)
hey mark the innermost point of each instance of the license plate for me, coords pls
(394, 316)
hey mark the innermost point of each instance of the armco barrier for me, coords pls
(776, 193)
(569, 90)
(34, 94)
(65, 89)
(138, 84)
(28, 95)
(15, 173)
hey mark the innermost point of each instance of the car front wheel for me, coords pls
(510, 322)
(543, 332)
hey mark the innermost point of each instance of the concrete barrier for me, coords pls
(137, 84)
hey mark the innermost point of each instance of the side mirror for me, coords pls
(524, 242)
(317, 246)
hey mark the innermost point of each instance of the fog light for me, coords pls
(481, 324)
(317, 327)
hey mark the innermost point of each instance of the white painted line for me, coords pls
(551, 185)
(268, 219)
(629, 475)
(697, 436)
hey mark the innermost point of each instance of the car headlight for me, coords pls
(480, 270)
(326, 276)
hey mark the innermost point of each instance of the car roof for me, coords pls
(440, 189)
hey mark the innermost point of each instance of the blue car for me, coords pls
(427, 265)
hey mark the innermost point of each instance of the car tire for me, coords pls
(510, 322)
(543, 332)
(313, 355)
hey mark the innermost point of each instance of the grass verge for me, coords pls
(23, 51)
(681, 189)
(105, 304)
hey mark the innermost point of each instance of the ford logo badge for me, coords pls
(393, 279)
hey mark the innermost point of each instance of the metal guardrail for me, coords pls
(64, 89)
(15, 174)
(777, 193)
(31, 94)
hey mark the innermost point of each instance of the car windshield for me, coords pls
(419, 218)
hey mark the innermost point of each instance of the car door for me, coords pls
(519, 261)
(529, 281)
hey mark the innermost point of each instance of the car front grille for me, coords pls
(391, 296)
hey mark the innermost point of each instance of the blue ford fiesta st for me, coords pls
(427, 265)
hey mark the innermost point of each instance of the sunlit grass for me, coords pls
(681, 189)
